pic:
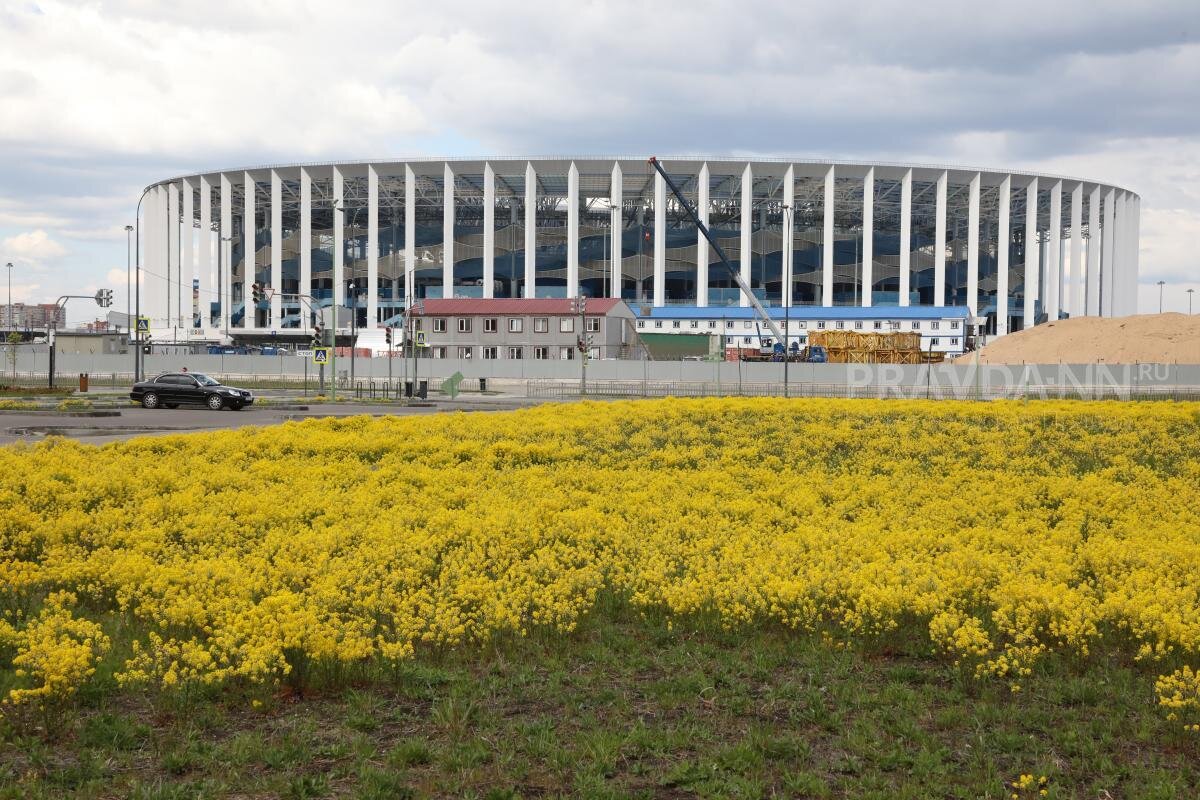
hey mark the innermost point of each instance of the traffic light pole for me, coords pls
(103, 299)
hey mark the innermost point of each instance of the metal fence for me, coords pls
(633, 389)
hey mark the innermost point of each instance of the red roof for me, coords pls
(551, 306)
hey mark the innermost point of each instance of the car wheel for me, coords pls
(214, 402)
(149, 400)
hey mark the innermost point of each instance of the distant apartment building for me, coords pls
(32, 317)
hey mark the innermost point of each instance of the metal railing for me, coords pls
(633, 389)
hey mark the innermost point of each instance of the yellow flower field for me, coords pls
(999, 531)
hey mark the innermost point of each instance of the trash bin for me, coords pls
(483, 384)
(83, 381)
(423, 390)
(408, 389)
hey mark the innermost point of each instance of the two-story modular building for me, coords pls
(943, 329)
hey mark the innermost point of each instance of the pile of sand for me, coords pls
(1148, 338)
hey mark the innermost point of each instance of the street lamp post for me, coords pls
(1190, 291)
(353, 328)
(787, 294)
(1160, 296)
(579, 305)
(11, 326)
(128, 269)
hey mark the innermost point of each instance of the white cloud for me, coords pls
(32, 247)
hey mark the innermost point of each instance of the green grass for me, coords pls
(624, 708)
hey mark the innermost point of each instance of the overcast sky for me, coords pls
(99, 99)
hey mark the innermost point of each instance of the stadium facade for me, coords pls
(1013, 249)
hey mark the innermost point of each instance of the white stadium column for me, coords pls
(204, 265)
(787, 237)
(448, 232)
(660, 240)
(1092, 306)
(305, 245)
(868, 246)
(171, 237)
(372, 247)
(905, 236)
(1032, 255)
(489, 231)
(702, 245)
(1135, 254)
(746, 250)
(250, 250)
(973, 245)
(1120, 245)
(530, 231)
(187, 235)
(225, 252)
(151, 268)
(410, 236)
(827, 241)
(1074, 299)
(1003, 237)
(339, 245)
(616, 199)
(939, 242)
(573, 231)
(1106, 253)
(1052, 279)
(276, 251)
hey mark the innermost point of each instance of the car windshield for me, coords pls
(205, 380)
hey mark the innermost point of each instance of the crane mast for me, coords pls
(737, 277)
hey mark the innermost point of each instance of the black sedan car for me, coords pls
(174, 389)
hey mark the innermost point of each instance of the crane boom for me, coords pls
(737, 277)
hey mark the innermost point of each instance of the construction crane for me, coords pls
(737, 277)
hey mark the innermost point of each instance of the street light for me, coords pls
(353, 328)
(1189, 291)
(1160, 296)
(10, 314)
(787, 292)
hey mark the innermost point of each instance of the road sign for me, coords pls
(320, 355)
(420, 338)
(305, 353)
(143, 324)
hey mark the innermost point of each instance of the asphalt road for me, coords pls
(135, 421)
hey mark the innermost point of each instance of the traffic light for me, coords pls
(104, 298)
(146, 345)
(389, 335)
(316, 337)
(256, 293)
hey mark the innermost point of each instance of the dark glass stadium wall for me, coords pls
(766, 248)
(390, 281)
(725, 224)
(957, 226)
(989, 213)
(289, 255)
(428, 236)
(923, 241)
(509, 234)
(847, 241)
(808, 237)
(595, 225)
(550, 260)
(354, 245)
(885, 262)
(468, 235)
(322, 246)
(1016, 259)
(681, 242)
(637, 237)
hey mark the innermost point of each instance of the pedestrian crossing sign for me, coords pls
(420, 338)
(143, 324)
(320, 355)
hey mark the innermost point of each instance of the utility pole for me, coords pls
(1189, 291)
(579, 305)
(787, 294)
(1160, 296)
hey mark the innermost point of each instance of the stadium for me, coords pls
(1005, 249)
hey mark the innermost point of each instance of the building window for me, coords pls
(419, 325)
(712, 324)
(566, 324)
(878, 326)
(542, 324)
(803, 340)
(658, 323)
(541, 353)
(593, 325)
(491, 353)
(841, 326)
(858, 325)
(566, 353)
(641, 323)
(728, 324)
(438, 352)
(747, 324)
(465, 352)
(746, 340)
(934, 342)
(594, 353)
(489, 325)
(694, 323)
(516, 324)
(464, 325)
(676, 324)
(514, 352)
(935, 325)
(954, 325)
(916, 326)
(821, 325)
(954, 341)
(802, 325)
(895, 325)
(439, 325)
